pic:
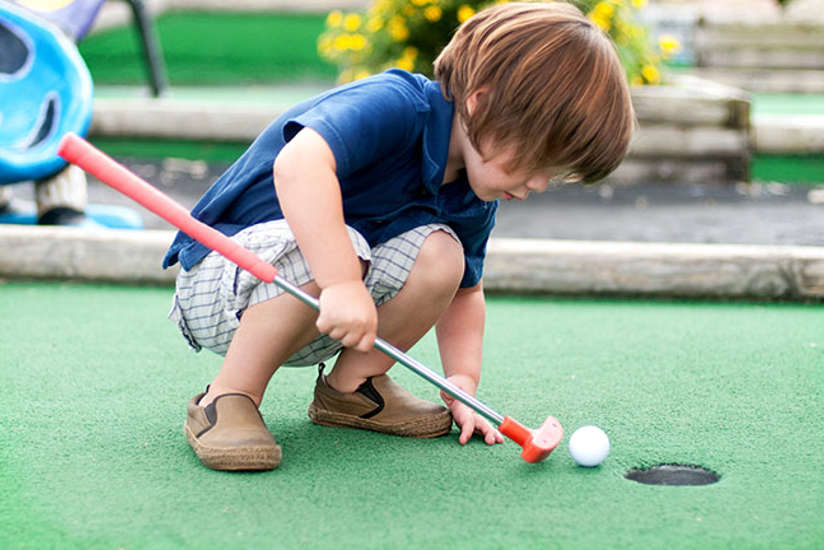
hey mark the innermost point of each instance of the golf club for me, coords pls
(536, 444)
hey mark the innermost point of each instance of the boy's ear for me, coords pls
(473, 99)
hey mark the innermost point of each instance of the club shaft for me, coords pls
(412, 364)
(78, 151)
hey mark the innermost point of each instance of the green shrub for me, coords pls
(410, 33)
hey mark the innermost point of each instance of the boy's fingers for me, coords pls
(467, 429)
(366, 342)
(491, 435)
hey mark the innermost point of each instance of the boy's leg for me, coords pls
(408, 316)
(357, 393)
(257, 327)
(224, 426)
(259, 345)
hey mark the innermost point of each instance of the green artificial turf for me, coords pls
(92, 455)
(793, 169)
(217, 49)
(158, 149)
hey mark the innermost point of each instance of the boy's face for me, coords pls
(490, 178)
(490, 171)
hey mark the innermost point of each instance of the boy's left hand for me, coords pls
(469, 421)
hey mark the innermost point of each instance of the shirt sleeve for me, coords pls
(369, 120)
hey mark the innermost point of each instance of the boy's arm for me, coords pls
(460, 333)
(310, 197)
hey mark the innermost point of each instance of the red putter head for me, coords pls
(536, 444)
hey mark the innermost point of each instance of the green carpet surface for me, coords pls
(226, 48)
(95, 381)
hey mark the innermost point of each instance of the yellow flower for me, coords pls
(668, 44)
(325, 46)
(433, 13)
(374, 24)
(602, 14)
(465, 12)
(651, 74)
(420, 3)
(357, 42)
(639, 4)
(341, 42)
(410, 52)
(334, 18)
(361, 74)
(405, 64)
(637, 80)
(397, 29)
(351, 22)
(602, 22)
(408, 10)
(603, 9)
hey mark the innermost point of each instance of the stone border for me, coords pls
(789, 134)
(513, 265)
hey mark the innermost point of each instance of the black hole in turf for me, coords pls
(673, 474)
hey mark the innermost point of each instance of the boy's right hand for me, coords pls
(348, 314)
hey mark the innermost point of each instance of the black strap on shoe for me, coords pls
(368, 389)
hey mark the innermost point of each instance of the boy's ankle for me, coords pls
(215, 391)
(343, 386)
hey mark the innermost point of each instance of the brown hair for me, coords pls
(555, 90)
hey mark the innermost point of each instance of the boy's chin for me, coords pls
(485, 196)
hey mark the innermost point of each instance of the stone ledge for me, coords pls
(656, 269)
(513, 265)
(203, 120)
(783, 134)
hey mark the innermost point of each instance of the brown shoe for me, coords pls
(229, 434)
(380, 405)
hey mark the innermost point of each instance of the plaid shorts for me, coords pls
(211, 297)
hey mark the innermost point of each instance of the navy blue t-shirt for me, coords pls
(390, 137)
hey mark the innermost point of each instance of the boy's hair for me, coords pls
(555, 90)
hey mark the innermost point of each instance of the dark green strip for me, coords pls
(203, 48)
(805, 169)
(160, 149)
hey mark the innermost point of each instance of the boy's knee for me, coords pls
(440, 262)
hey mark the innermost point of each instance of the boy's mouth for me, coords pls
(510, 196)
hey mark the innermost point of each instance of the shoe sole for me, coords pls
(233, 459)
(437, 426)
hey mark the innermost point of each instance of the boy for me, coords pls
(379, 197)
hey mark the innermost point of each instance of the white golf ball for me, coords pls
(589, 446)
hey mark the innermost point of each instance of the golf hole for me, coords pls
(673, 474)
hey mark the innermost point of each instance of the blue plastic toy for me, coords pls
(45, 92)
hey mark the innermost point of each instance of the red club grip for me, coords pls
(82, 153)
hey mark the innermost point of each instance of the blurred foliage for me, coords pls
(409, 34)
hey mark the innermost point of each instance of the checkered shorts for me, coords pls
(211, 297)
